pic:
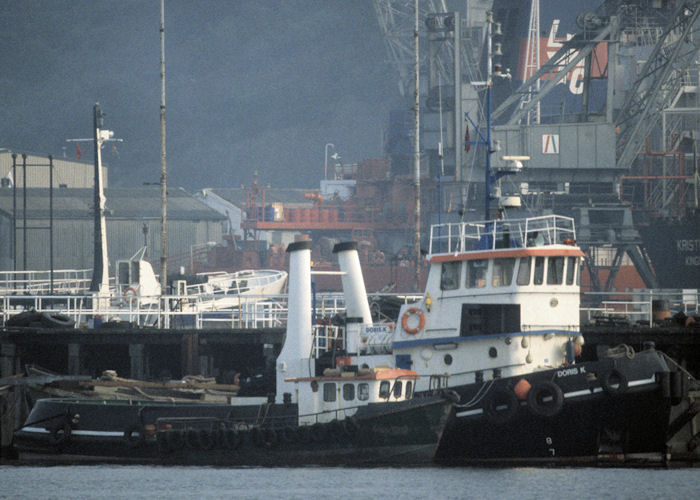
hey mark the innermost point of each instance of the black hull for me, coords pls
(404, 433)
(674, 250)
(602, 411)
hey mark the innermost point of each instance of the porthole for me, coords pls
(448, 359)
(493, 352)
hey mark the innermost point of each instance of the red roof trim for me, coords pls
(506, 253)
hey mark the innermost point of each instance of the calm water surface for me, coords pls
(116, 482)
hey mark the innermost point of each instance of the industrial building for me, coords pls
(133, 218)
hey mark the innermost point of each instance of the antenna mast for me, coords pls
(163, 171)
(416, 148)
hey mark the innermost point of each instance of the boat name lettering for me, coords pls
(376, 329)
(571, 371)
(688, 245)
(692, 260)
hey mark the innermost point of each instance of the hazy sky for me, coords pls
(250, 85)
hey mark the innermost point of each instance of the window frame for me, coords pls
(476, 265)
(329, 392)
(538, 274)
(450, 281)
(363, 391)
(520, 277)
(348, 395)
(555, 270)
(384, 389)
(571, 265)
(497, 271)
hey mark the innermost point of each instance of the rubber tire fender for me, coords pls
(206, 439)
(232, 438)
(176, 439)
(61, 433)
(56, 320)
(258, 436)
(613, 378)
(545, 408)
(134, 435)
(499, 397)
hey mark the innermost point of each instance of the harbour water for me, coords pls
(122, 482)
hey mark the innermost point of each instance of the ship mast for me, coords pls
(163, 171)
(416, 149)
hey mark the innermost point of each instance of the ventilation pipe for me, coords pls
(356, 304)
(294, 359)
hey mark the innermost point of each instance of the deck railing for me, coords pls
(270, 311)
(505, 233)
(173, 311)
(66, 281)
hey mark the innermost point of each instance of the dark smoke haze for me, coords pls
(250, 85)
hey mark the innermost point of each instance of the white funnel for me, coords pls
(293, 360)
(356, 304)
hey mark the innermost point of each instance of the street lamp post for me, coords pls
(325, 163)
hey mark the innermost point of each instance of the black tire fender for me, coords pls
(614, 382)
(501, 406)
(176, 439)
(258, 436)
(233, 439)
(134, 435)
(61, 433)
(545, 398)
(56, 320)
(206, 439)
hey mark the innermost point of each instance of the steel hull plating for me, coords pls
(614, 407)
(387, 433)
(674, 250)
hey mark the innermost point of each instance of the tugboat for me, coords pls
(349, 416)
(498, 324)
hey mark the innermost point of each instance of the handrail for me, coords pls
(502, 233)
(268, 311)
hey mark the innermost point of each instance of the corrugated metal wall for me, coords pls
(73, 174)
(73, 241)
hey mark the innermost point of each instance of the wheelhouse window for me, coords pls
(539, 270)
(449, 277)
(409, 389)
(503, 272)
(476, 273)
(524, 271)
(570, 270)
(398, 387)
(363, 391)
(488, 319)
(329, 392)
(555, 271)
(384, 390)
(348, 392)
